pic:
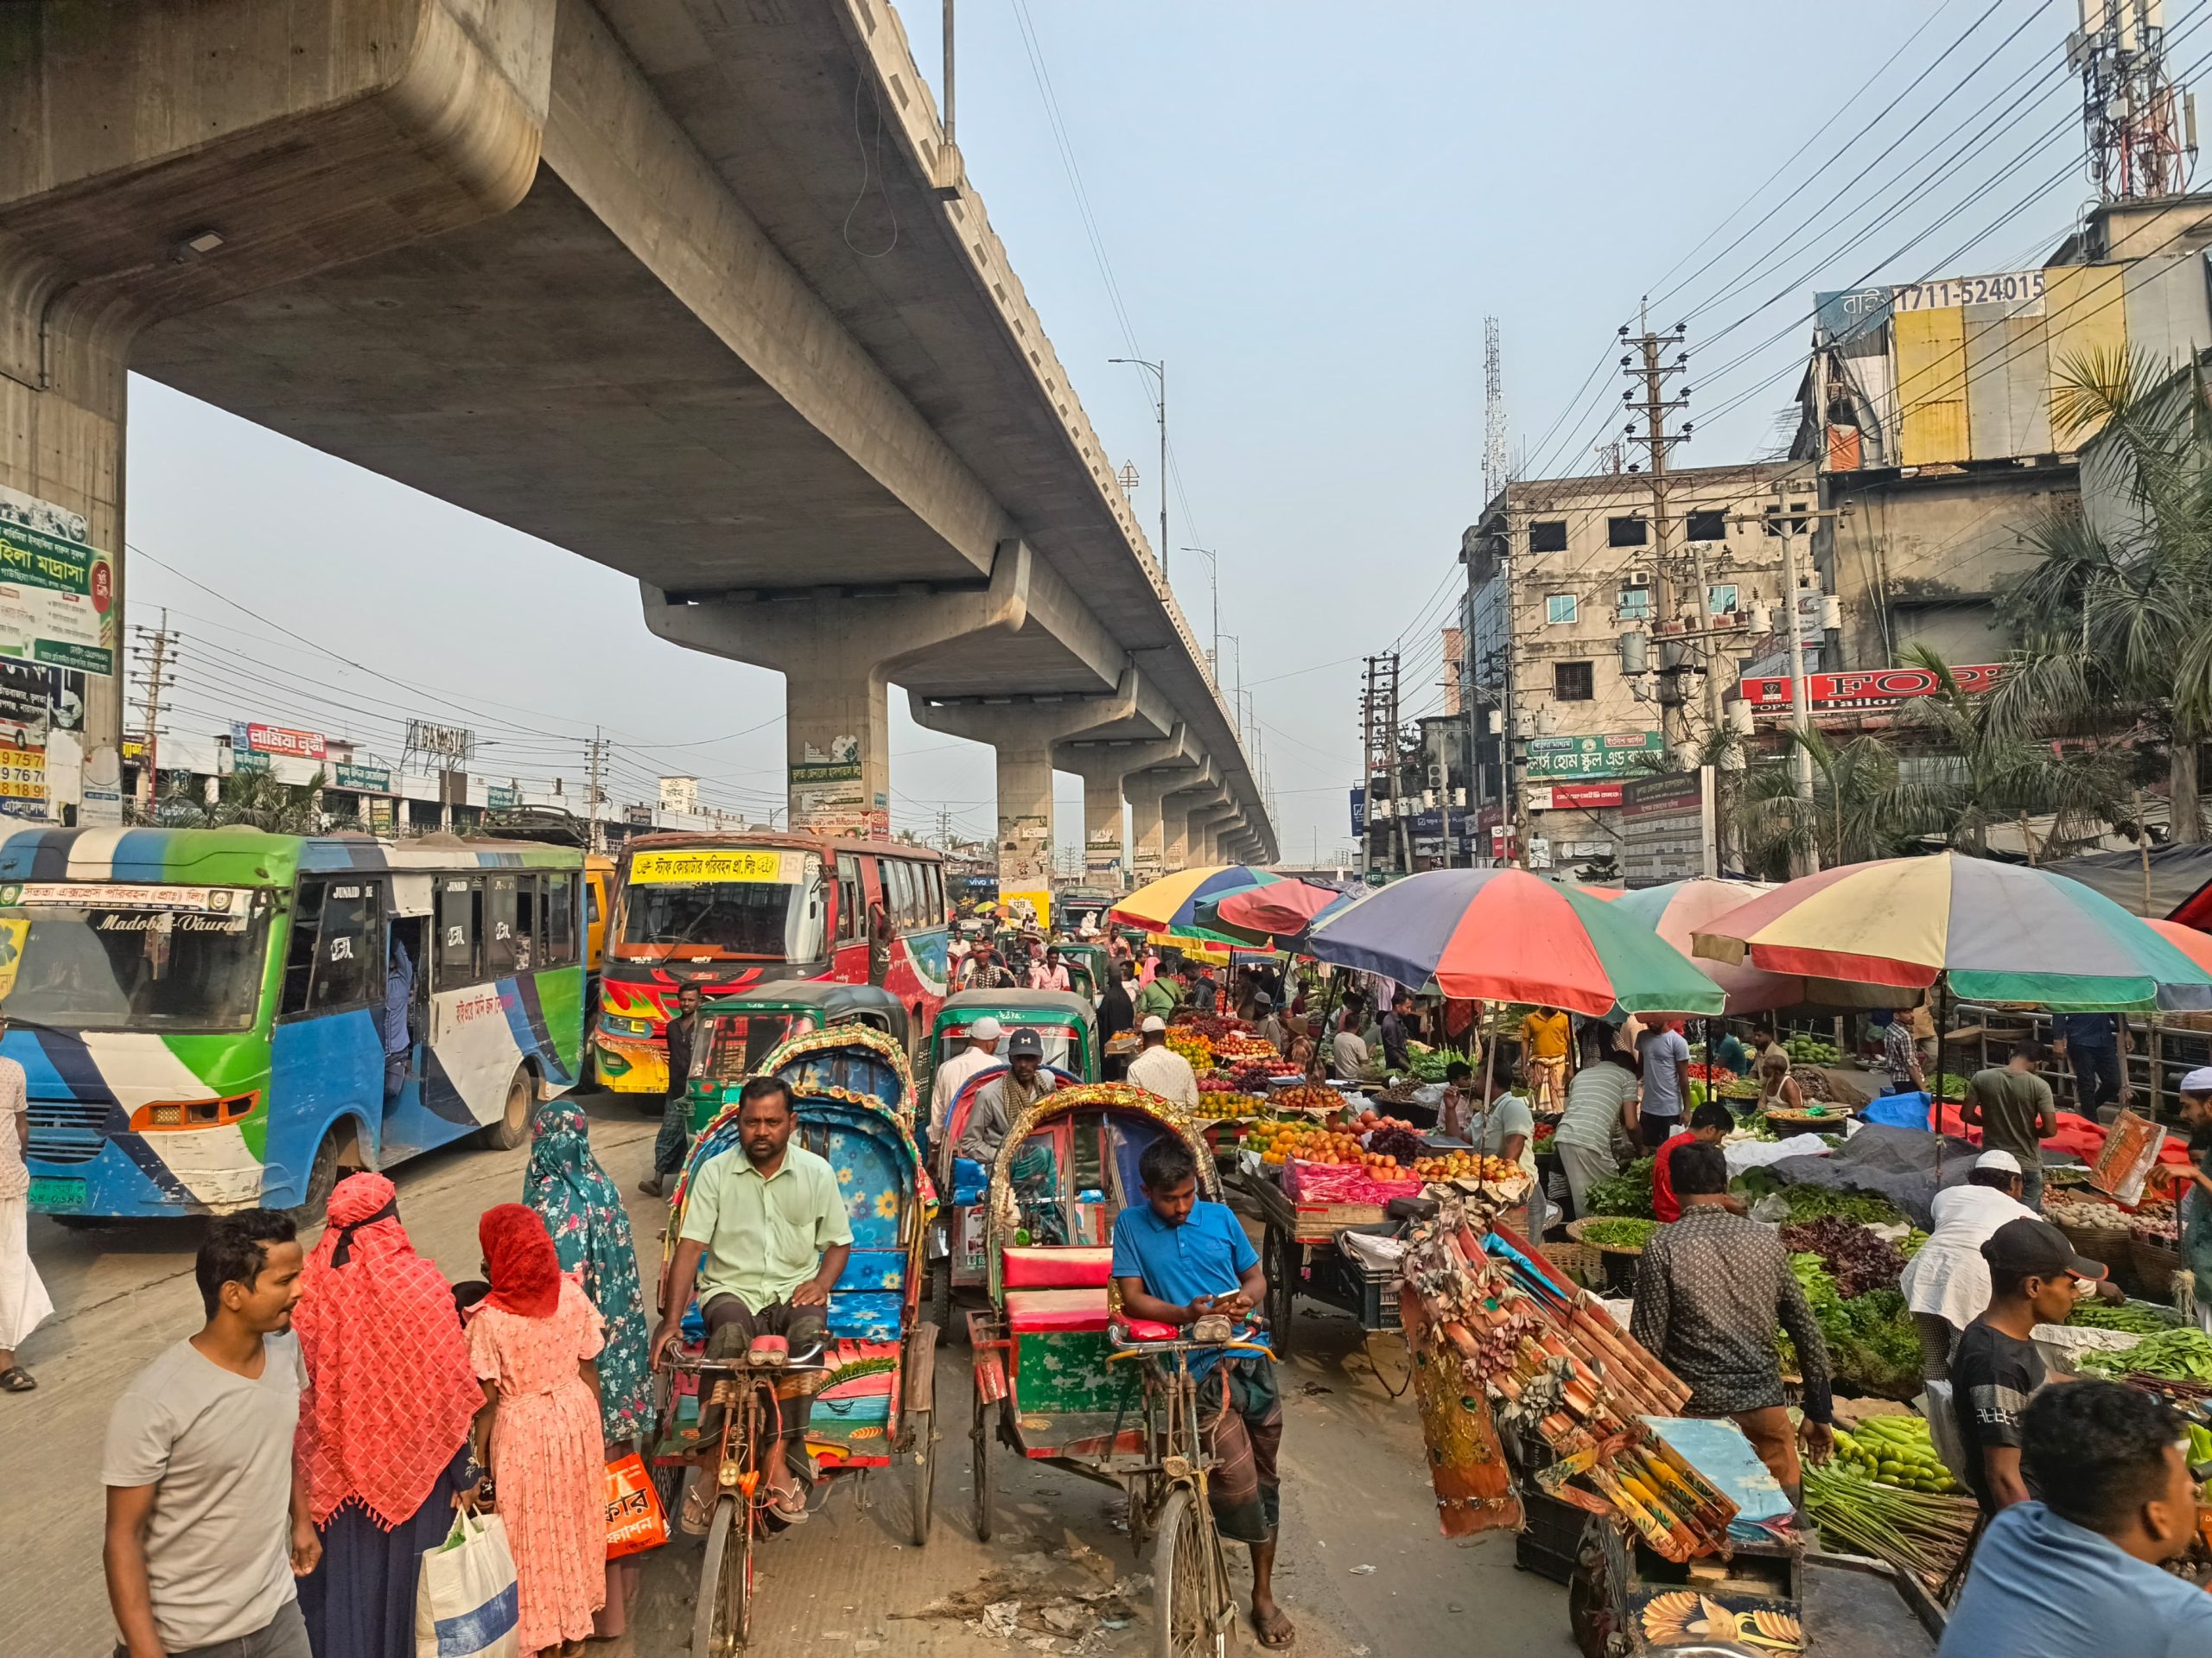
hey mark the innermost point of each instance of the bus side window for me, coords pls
(852, 912)
(591, 901)
(530, 910)
(500, 936)
(899, 892)
(935, 875)
(459, 901)
(560, 920)
(348, 969)
(299, 956)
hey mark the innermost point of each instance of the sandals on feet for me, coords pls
(788, 1503)
(15, 1379)
(699, 1500)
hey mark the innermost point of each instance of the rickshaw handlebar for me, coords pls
(795, 1362)
(1124, 1350)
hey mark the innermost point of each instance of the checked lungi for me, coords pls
(1240, 1417)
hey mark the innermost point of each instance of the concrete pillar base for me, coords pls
(838, 653)
(1107, 769)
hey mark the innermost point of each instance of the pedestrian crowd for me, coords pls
(275, 1480)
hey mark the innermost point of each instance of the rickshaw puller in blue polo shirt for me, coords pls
(1177, 1259)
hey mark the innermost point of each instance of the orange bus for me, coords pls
(726, 912)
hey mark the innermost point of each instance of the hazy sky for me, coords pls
(1307, 210)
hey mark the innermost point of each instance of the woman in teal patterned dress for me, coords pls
(583, 1211)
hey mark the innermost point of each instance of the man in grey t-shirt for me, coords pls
(1666, 1055)
(207, 1526)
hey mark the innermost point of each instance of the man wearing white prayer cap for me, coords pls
(981, 1054)
(2196, 1214)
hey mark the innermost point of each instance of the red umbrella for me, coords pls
(1281, 911)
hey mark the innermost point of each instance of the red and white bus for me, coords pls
(728, 912)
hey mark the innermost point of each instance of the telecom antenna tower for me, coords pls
(2142, 129)
(1494, 462)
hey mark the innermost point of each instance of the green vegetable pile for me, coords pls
(1627, 1193)
(1429, 1065)
(1810, 1203)
(2173, 1354)
(1618, 1232)
(2132, 1317)
(1873, 1349)
(1811, 1051)
(1914, 1531)
(1896, 1451)
(1948, 1085)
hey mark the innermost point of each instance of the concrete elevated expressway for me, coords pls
(616, 273)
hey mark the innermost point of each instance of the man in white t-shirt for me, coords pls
(981, 1054)
(1160, 1070)
(207, 1525)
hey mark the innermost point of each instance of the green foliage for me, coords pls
(1627, 1193)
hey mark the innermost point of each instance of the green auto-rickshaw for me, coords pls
(1090, 968)
(1067, 1023)
(737, 1033)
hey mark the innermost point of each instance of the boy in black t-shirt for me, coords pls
(2033, 1275)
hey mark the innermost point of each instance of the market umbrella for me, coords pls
(1280, 912)
(2197, 946)
(1678, 911)
(1170, 904)
(1995, 932)
(1505, 935)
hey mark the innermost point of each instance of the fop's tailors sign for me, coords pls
(1863, 690)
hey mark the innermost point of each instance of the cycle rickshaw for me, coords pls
(866, 1392)
(1062, 1377)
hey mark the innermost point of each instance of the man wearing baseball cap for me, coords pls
(998, 1102)
(1160, 1070)
(981, 1054)
(2034, 1279)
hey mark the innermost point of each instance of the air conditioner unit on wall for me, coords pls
(1637, 578)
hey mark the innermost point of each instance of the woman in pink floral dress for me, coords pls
(533, 1340)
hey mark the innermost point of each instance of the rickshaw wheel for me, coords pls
(1190, 1591)
(1283, 1264)
(723, 1621)
(979, 1439)
(941, 1293)
(921, 1428)
(1590, 1614)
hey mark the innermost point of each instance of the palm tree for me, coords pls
(2115, 616)
(254, 799)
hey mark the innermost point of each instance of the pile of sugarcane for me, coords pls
(1557, 1368)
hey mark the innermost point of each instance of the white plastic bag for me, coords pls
(1936, 1406)
(465, 1604)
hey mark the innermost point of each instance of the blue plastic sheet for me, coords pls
(1901, 1110)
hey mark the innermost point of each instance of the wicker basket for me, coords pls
(1826, 1122)
(2111, 1245)
(2155, 1267)
(1578, 1261)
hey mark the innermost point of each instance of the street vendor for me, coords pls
(1601, 1101)
(1267, 1023)
(2195, 1209)
(1457, 1105)
(1666, 1083)
(1396, 1028)
(1709, 1291)
(2013, 1107)
(1546, 1042)
(2079, 1572)
(2034, 1277)
(1710, 1124)
(1347, 1048)
(1777, 1087)
(1507, 1128)
(1946, 1284)
(1901, 1056)
(1160, 1070)
(1004, 1098)
(1730, 1055)
(1177, 1259)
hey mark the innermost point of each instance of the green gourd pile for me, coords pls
(1896, 1451)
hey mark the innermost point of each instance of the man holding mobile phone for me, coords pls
(1177, 1260)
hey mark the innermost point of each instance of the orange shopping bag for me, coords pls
(635, 1520)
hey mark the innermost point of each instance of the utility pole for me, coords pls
(594, 762)
(1398, 835)
(156, 657)
(1780, 520)
(1647, 363)
(1367, 763)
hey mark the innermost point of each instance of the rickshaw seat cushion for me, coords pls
(1145, 1330)
(970, 1180)
(1083, 1266)
(1039, 1311)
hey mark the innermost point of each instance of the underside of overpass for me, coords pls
(611, 274)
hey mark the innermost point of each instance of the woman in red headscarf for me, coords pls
(533, 1340)
(383, 1446)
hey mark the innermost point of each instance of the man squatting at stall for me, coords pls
(1177, 1259)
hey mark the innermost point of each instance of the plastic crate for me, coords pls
(1550, 1544)
(1378, 1299)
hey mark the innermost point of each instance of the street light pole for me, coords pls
(1159, 370)
(1213, 567)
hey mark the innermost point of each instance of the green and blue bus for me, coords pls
(201, 1014)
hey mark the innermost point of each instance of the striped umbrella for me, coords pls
(2197, 946)
(1679, 910)
(1171, 904)
(1995, 932)
(1505, 935)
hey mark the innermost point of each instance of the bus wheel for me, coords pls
(514, 1121)
(322, 1177)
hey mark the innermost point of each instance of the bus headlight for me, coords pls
(160, 1116)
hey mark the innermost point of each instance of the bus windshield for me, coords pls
(83, 956)
(714, 905)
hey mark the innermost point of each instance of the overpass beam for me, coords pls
(838, 652)
(1108, 770)
(1023, 733)
(168, 158)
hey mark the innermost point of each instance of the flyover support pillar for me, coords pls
(1110, 769)
(1023, 732)
(1182, 816)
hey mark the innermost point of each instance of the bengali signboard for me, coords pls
(1666, 829)
(279, 740)
(502, 797)
(362, 779)
(1862, 690)
(1575, 796)
(1617, 754)
(57, 590)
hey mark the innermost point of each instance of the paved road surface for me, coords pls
(1364, 1570)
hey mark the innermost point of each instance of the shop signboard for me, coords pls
(1617, 754)
(1667, 827)
(1575, 796)
(57, 590)
(1862, 690)
(502, 797)
(1358, 813)
(452, 744)
(362, 779)
(279, 740)
(247, 760)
